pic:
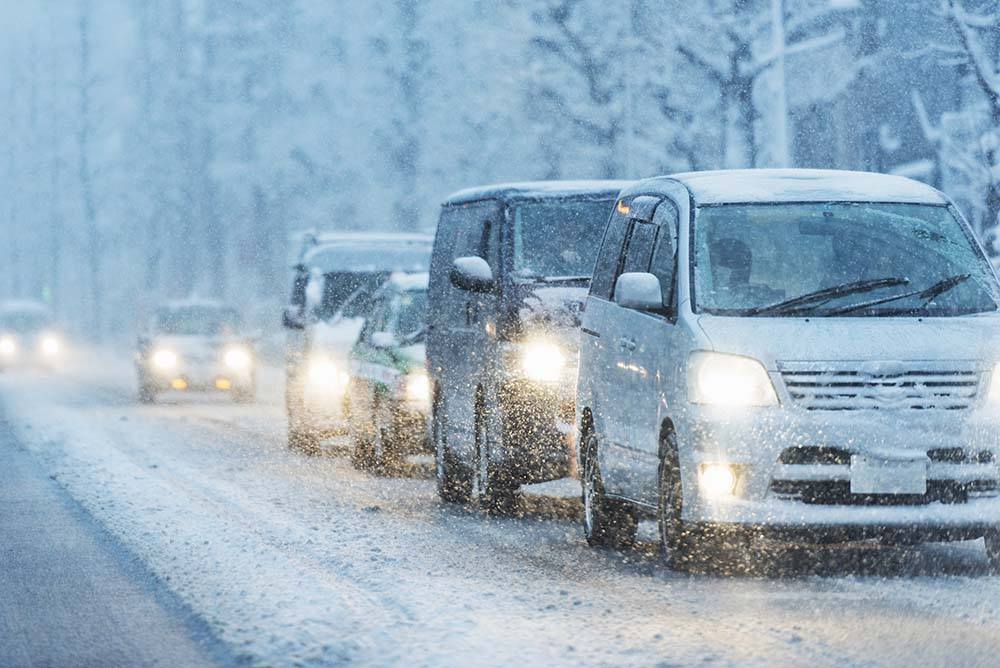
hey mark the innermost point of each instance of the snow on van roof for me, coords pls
(537, 190)
(371, 255)
(804, 185)
(405, 280)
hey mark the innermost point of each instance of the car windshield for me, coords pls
(24, 322)
(856, 259)
(349, 293)
(558, 239)
(411, 315)
(198, 321)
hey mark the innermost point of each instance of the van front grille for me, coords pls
(895, 388)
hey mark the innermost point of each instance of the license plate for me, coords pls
(880, 476)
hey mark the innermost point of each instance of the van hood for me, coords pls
(556, 307)
(772, 340)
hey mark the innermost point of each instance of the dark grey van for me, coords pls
(509, 275)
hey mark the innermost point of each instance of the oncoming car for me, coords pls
(196, 345)
(791, 354)
(29, 336)
(335, 277)
(508, 278)
(389, 394)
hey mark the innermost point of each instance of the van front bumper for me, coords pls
(794, 470)
(537, 422)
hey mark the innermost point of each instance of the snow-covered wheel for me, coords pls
(993, 549)
(496, 492)
(454, 480)
(245, 395)
(147, 394)
(674, 539)
(606, 522)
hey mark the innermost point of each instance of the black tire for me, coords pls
(496, 489)
(454, 480)
(992, 540)
(675, 541)
(606, 522)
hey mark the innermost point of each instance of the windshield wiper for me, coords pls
(826, 294)
(928, 294)
(535, 278)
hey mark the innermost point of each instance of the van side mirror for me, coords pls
(291, 318)
(472, 273)
(383, 340)
(640, 291)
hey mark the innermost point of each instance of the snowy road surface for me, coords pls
(297, 561)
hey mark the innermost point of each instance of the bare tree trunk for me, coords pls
(85, 172)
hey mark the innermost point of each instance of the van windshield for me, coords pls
(837, 259)
(198, 321)
(558, 239)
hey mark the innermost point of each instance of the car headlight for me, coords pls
(164, 360)
(8, 346)
(729, 380)
(716, 480)
(417, 387)
(542, 361)
(50, 345)
(324, 372)
(238, 358)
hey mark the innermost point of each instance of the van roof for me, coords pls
(537, 190)
(739, 186)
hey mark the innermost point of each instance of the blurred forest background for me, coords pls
(164, 148)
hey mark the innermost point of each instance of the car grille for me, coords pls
(880, 387)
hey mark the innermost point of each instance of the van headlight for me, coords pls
(237, 358)
(417, 388)
(542, 361)
(50, 345)
(8, 346)
(164, 360)
(729, 380)
(325, 373)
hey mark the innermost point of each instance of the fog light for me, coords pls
(716, 480)
(178, 384)
(223, 384)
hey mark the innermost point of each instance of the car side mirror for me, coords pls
(384, 340)
(472, 273)
(292, 318)
(640, 291)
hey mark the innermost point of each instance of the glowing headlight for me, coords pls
(50, 345)
(542, 361)
(729, 380)
(418, 387)
(164, 360)
(716, 480)
(324, 372)
(238, 359)
(8, 346)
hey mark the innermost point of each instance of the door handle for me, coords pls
(626, 344)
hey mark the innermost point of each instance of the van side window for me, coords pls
(640, 247)
(664, 262)
(609, 258)
(479, 231)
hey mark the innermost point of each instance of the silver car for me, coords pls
(794, 354)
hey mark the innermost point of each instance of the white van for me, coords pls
(790, 353)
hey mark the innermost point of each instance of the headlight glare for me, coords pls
(716, 480)
(729, 380)
(542, 361)
(238, 359)
(324, 372)
(50, 345)
(8, 346)
(164, 360)
(418, 387)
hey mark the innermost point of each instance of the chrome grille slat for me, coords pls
(880, 386)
